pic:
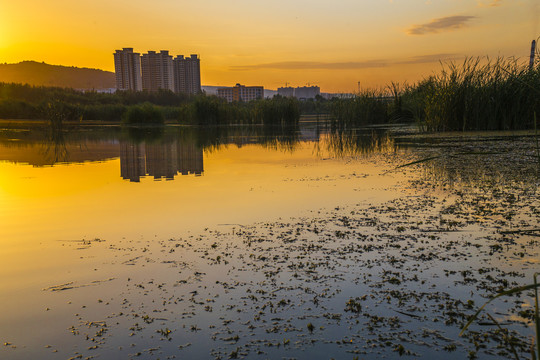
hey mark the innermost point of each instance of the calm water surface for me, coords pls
(252, 242)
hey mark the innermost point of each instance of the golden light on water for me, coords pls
(69, 200)
(101, 240)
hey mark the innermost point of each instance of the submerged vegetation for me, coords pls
(354, 276)
(535, 353)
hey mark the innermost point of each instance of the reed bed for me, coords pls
(478, 94)
(496, 94)
(211, 110)
(366, 108)
(146, 113)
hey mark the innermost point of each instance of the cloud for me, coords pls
(346, 65)
(311, 65)
(489, 3)
(440, 25)
(423, 59)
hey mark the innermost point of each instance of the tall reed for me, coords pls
(481, 95)
(211, 110)
(365, 108)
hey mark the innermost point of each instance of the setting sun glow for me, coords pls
(335, 44)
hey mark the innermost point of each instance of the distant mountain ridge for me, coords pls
(42, 74)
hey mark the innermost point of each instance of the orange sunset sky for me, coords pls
(333, 44)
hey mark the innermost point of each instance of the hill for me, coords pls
(41, 74)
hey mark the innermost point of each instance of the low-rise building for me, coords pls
(301, 93)
(241, 93)
(307, 92)
(287, 91)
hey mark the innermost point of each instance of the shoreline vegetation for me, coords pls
(495, 94)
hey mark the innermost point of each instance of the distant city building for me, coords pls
(99, 91)
(330, 96)
(127, 67)
(225, 93)
(154, 71)
(286, 91)
(307, 92)
(301, 93)
(157, 71)
(241, 93)
(187, 74)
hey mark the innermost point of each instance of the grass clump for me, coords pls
(277, 111)
(146, 114)
(366, 108)
(211, 110)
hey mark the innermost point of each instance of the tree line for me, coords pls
(477, 94)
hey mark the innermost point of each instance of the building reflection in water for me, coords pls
(160, 159)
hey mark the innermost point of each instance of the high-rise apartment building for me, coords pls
(127, 67)
(157, 71)
(154, 71)
(241, 93)
(187, 74)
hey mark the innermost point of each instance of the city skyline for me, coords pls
(153, 71)
(333, 44)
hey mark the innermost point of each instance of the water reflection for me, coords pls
(160, 159)
(38, 145)
(56, 148)
(281, 138)
(165, 152)
(354, 142)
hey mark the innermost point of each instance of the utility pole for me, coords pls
(533, 51)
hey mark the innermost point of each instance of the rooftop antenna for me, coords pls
(533, 51)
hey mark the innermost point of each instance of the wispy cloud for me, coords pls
(489, 3)
(346, 65)
(423, 59)
(442, 24)
(312, 65)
